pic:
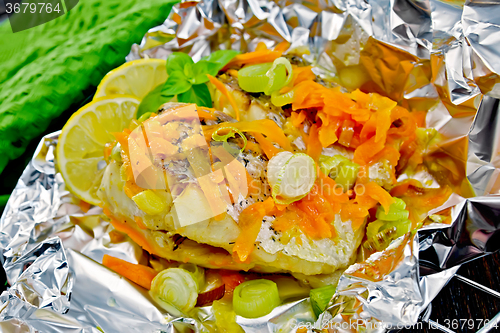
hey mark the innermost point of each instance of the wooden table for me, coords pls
(460, 304)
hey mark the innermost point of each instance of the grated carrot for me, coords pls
(267, 147)
(250, 221)
(256, 57)
(261, 46)
(282, 46)
(222, 88)
(140, 274)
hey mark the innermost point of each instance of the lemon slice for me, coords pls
(135, 78)
(80, 148)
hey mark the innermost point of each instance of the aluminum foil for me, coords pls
(440, 56)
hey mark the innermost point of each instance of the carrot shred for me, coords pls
(327, 135)
(135, 235)
(140, 274)
(282, 46)
(222, 88)
(140, 223)
(250, 221)
(314, 146)
(267, 147)
(233, 72)
(84, 206)
(256, 57)
(298, 118)
(301, 74)
(269, 128)
(261, 46)
(378, 193)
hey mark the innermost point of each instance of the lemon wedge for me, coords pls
(80, 148)
(135, 78)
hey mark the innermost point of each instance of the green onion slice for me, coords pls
(231, 134)
(175, 290)
(291, 176)
(253, 78)
(197, 272)
(282, 99)
(388, 226)
(341, 169)
(397, 211)
(267, 78)
(280, 74)
(320, 298)
(255, 298)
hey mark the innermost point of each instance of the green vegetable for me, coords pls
(222, 57)
(282, 99)
(255, 298)
(198, 94)
(45, 74)
(320, 297)
(267, 78)
(144, 117)
(149, 202)
(197, 272)
(188, 79)
(341, 169)
(152, 101)
(116, 153)
(175, 290)
(388, 226)
(231, 134)
(373, 228)
(291, 176)
(225, 318)
(397, 211)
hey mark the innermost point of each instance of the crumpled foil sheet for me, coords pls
(440, 56)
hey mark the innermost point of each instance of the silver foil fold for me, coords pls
(440, 56)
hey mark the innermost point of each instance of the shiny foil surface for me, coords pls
(441, 56)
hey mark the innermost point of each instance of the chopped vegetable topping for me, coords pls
(175, 290)
(291, 176)
(255, 298)
(140, 274)
(320, 297)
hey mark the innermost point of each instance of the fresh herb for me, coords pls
(188, 79)
(152, 101)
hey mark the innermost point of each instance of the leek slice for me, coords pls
(341, 169)
(175, 290)
(231, 134)
(197, 272)
(149, 202)
(255, 298)
(320, 298)
(281, 68)
(282, 99)
(397, 211)
(291, 176)
(267, 78)
(253, 78)
(388, 226)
